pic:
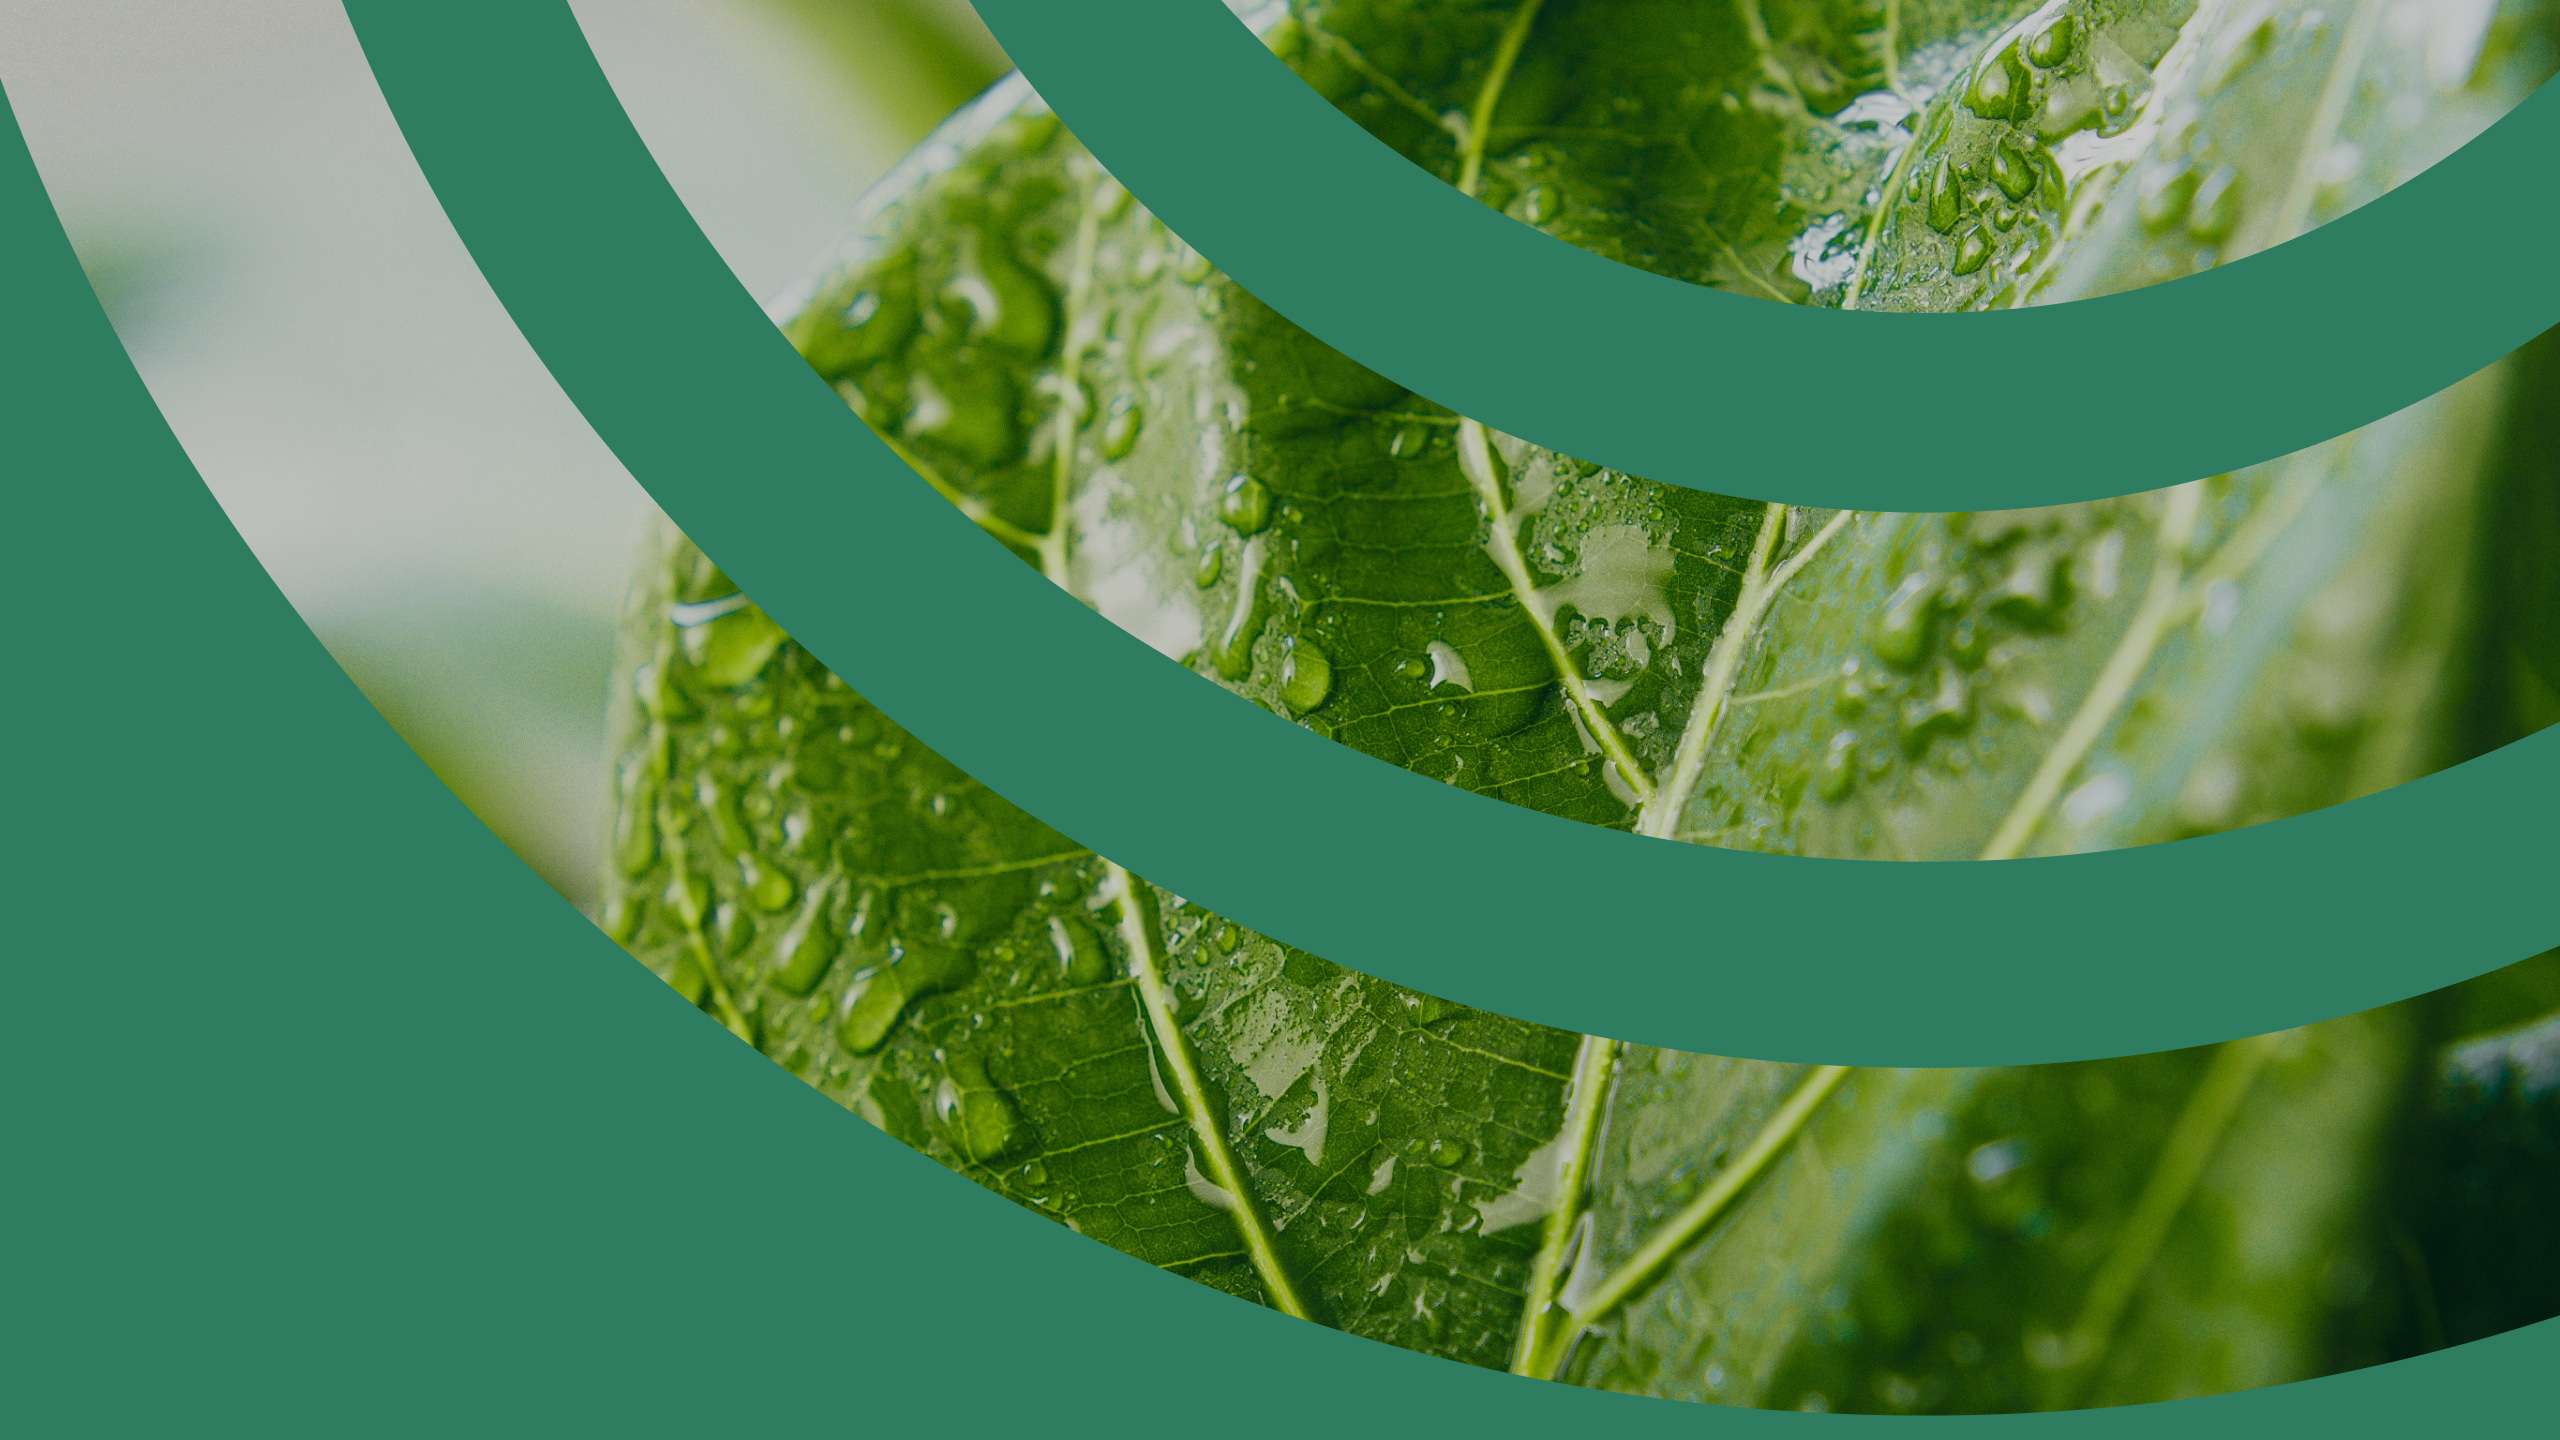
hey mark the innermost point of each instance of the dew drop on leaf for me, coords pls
(732, 645)
(1120, 429)
(1839, 772)
(2052, 45)
(980, 1118)
(635, 829)
(873, 1005)
(1246, 505)
(1448, 667)
(2115, 110)
(1080, 955)
(770, 887)
(1999, 89)
(2013, 172)
(2215, 210)
(806, 949)
(1902, 633)
(621, 918)
(1973, 251)
(1234, 655)
(1306, 677)
(1945, 198)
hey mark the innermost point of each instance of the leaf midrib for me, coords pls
(1140, 933)
(1483, 470)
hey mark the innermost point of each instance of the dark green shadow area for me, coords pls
(332, 1118)
(1861, 962)
(2258, 358)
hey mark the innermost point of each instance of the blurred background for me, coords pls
(350, 390)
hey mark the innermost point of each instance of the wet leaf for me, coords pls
(1602, 648)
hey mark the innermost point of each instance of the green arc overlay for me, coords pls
(1887, 962)
(2258, 358)
(374, 1200)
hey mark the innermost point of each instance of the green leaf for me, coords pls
(1606, 649)
(1295, 1133)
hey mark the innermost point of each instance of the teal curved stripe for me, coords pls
(334, 1115)
(1346, 856)
(2256, 359)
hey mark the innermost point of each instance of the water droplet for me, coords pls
(1621, 579)
(1901, 636)
(2000, 88)
(1448, 667)
(1946, 198)
(877, 999)
(1234, 655)
(2013, 172)
(1009, 304)
(972, 411)
(1839, 772)
(1307, 1135)
(1203, 1189)
(1967, 645)
(621, 918)
(2165, 198)
(1080, 953)
(1120, 429)
(1988, 1164)
(771, 888)
(1973, 251)
(732, 646)
(874, 322)
(2115, 109)
(2069, 106)
(2031, 594)
(1212, 564)
(1540, 204)
(980, 1118)
(805, 950)
(2215, 210)
(2096, 799)
(1947, 709)
(1246, 505)
(2052, 45)
(1448, 1154)
(1306, 677)
(635, 830)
